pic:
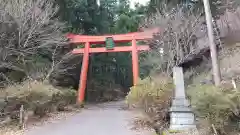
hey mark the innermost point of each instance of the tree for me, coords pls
(110, 17)
(218, 7)
(177, 41)
(31, 37)
(107, 17)
(80, 15)
(85, 16)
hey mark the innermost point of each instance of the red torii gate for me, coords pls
(121, 38)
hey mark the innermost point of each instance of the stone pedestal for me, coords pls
(181, 115)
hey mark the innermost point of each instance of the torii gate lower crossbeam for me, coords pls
(88, 40)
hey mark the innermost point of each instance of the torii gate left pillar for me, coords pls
(88, 40)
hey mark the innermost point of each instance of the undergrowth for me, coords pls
(153, 95)
(218, 105)
(37, 97)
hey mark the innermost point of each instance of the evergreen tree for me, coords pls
(110, 17)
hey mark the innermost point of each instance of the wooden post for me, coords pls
(83, 76)
(21, 117)
(135, 66)
(215, 63)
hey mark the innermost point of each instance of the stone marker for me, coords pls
(181, 115)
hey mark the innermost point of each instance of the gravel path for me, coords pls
(103, 119)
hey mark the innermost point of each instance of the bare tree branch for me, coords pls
(28, 28)
(179, 36)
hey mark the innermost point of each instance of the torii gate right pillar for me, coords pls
(135, 64)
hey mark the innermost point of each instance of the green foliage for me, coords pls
(86, 16)
(79, 14)
(217, 105)
(110, 17)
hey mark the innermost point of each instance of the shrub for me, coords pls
(38, 97)
(216, 104)
(149, 88)
(153, 96)
(62, 99)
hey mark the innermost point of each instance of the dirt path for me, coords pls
(103, 119)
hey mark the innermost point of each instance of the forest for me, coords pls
(35, 55)
(38, 70)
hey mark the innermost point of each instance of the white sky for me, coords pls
(139, 1)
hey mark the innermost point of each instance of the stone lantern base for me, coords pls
(181, 116)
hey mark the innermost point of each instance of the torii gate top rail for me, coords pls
(121, 38)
